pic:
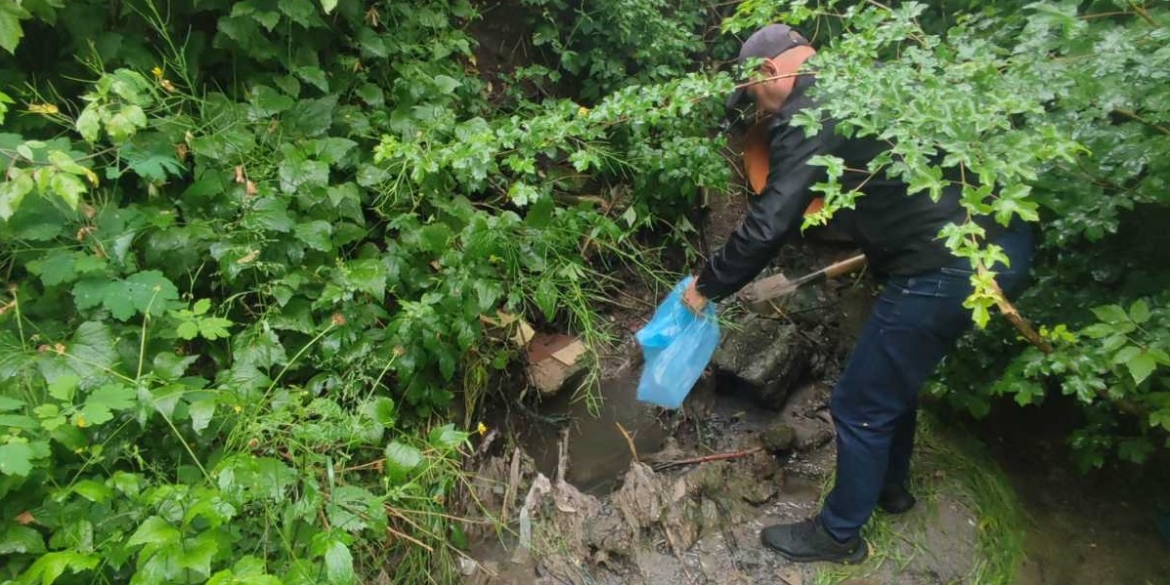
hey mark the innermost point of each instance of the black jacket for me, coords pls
(897, 232)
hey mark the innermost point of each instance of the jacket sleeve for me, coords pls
(773, 215)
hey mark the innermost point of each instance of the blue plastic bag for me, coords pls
(677, 345)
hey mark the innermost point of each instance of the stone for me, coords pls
(553, 360)
(779, 437)
(762, 358)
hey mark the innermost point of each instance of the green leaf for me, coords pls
(64, 387)
(488, 293)
(187, 330)
(1112, 314)
(339, 564)
(123, 125)
(269, 213)
(401, 459)
(1126, 354)
(8, 404)
(1139, 311)
(10, 30)
(147, 292)
(368, 276)
(372, 95)
(89, 293)
(301, 12)
(55, 268)
(19, 421)
(249, 570)
(296, 175)
(197, 553)
(92, 490)
(546, 298)
(16, 458)
(12, 193)
(316, 234)
(212, 328)
(311, 117)
(445, 84)
(68, 187)
(267, 102)
(52, 565)
(89, 123)
(1141, 366)
(154, 530)
(201, 413)
(384, 411)
(1160, 418)
(115, 396)
(435, 238)
(446, 437)
(328, 5)
(151, 156)
(93, 413)
(21, 540)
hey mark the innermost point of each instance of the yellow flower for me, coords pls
(81, 423)
(239, 409)
(581, 111)
(157, 71)
(481, 428)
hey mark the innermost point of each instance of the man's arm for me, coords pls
(772, 216)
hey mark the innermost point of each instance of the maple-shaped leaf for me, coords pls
(151, 156)
(151, 291)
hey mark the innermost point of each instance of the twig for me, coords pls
(708, 458)
(1145, 14)
(513, 483)
(410, 539)
(1137, 118)
(629, 439)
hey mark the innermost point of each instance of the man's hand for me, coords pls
(693, 299)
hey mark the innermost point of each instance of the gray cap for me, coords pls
(763, 44)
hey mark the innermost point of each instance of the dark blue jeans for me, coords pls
(915, 323)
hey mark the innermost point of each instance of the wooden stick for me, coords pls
(629, 439)
(708, 458)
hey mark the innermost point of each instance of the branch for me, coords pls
(708, 458)
(1013, 315)
(1137, 118)
(1145, 14)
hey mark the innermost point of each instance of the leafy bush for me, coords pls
(255, 251)
(1053, 112)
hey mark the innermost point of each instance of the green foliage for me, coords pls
(254, 249)
(1049, 112)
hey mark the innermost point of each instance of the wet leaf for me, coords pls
(16, 458)
(401, 459)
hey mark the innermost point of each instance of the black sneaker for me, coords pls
(896, 499)
(808, 541)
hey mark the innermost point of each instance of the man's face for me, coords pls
(768, 96)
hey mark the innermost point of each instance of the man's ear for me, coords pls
(768, 68)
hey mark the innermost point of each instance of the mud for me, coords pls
(628, 494)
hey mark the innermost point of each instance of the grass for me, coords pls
(946, 462)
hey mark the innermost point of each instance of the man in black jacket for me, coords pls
(915, 321)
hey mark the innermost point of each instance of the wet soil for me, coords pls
(605, 501)
(1099, 527)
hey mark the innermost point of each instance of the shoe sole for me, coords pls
(852, 558)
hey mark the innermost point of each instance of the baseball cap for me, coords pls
(763, 44)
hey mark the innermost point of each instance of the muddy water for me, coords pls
(598, 451)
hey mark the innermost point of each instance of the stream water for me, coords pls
(598, 451)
